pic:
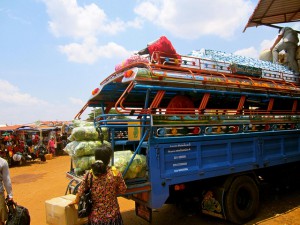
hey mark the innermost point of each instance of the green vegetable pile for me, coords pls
(138, 167)
(83, 148)
(84, 162)
(84, 140)
(82, 123)
(84, 134)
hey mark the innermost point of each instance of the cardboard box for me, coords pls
(48, 156)
(58, 211)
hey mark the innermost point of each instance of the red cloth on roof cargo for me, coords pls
(164, 46)
(161, 45)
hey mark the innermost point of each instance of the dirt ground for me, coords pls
(36, 182)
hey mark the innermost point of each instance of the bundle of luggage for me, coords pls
(17, 214)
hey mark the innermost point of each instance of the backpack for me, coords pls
(17, 214)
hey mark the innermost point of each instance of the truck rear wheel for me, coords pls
(242, 200)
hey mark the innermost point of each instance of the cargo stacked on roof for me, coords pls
(226, 93)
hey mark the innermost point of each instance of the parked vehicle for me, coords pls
(212, 132)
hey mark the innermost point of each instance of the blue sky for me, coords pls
(53, 53)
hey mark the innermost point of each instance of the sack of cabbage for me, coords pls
(138, 167)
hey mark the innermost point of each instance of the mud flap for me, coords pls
(212, 203)
(143, 211)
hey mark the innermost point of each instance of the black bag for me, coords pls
(17, 214)
(85, 200)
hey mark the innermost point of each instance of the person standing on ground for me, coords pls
(107, 183)
(51, 146)
(286, 40)
(5, 184)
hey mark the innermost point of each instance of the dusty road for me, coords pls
(37, 182)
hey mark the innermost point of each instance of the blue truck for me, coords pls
(212, 131)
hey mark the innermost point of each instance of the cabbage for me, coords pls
(84, 134)
(85, 131)
(130, 175)
(121, 159)
(142, 173)
(81, 123)
(79, 171)
(137, 168)
(70, 147)
(84, 162)
(83, 148)
(121, 164)
(125, 153)
(136, 165)
(105, 133)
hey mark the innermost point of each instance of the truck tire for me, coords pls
(242, 200)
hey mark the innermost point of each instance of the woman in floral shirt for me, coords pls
(107, 183)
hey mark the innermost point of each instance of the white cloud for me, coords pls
(12, 95)
(255, 52)
(27, 114)
(68, 19)
(193, 19)
(89, 51)
(76, 101)
(266, 44)
(147, 10)
(248, 52)
(18, 107)
(84, 25)
(71, 20)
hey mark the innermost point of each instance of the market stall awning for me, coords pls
(10, 128)
(27, 129)
(270, 12)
